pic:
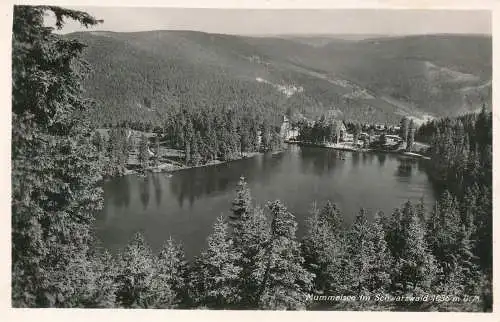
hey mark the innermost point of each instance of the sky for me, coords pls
(281, 22)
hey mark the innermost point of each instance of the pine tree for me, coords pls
(380, 264)
(245, 140)
(369, 258)
(157, 150)
(136, 276)
(285, 283)
(98, 142)
(484, 229)
(212, 144)
(331, 214)
(254, 137)
(421, 213)
(410, 140)
(187, 153)
(467, 262)
(196, 149)
(170, 276)
(55, 167)
(357, 133)
(367, 266)
(241, 205)
(394, 232)
(469, 209)
(482, 126)
(415, 267)
(463, 276)
(216, 274)
(358, 250)
(266, 137)
(321, 249)
(143, 152)
(250, 234)
(443, 228)
(252, 243)
(232, 123)
(102, 287)
(188, 138)
(116, 153)
(405, 124)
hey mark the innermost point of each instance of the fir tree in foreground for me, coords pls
(216, 272)
(143, 280)
(331, 215)
(370, 263)
(136, 278)
(415, 267)
(241, 206)
(323, 251)
(381, 261)
(55, 168)
(250, 235)
(253, 244)
(171, 275)
(286, 284)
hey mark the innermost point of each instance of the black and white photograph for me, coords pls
(183, 158)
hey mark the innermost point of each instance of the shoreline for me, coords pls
(352, 149)
(170, 168)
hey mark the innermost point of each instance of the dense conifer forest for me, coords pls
(152, 75)
(253, 258)
(202, 137)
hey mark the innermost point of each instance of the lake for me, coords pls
(186, 204)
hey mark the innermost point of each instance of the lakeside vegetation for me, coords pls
(177, 146)
(253, 259)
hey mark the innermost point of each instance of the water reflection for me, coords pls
(263, 172)
(158, 189)
(381, 159)
(193, 184)
(355, 159)
(404, 169)
(187, 203)
(367, 158)
(421, 165)
(331, 159)
(144, 191)
(121, 192)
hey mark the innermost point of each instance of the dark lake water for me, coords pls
(186, 204)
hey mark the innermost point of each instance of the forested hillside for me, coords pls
(150, 75)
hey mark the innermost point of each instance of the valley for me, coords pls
(375, 80)
(194, 170)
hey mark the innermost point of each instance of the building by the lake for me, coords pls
(288, 132)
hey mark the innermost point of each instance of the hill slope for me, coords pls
(147, 75)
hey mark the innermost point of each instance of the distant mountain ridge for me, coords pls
(375, 79)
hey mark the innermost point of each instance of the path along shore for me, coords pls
(349, 147)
